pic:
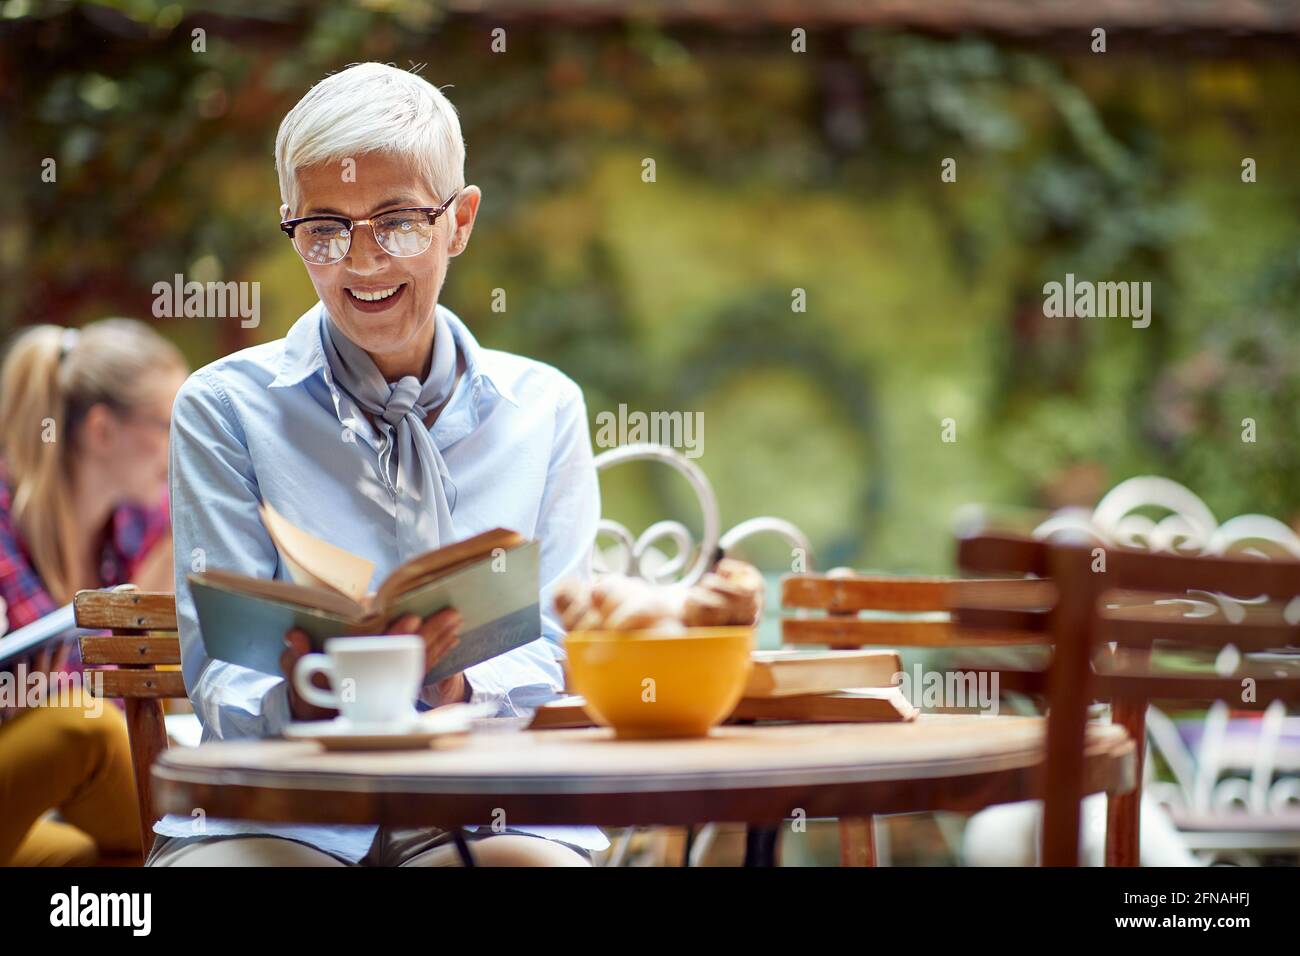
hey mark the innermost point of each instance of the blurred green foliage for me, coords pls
(774, 171)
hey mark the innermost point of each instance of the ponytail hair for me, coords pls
(50, 379)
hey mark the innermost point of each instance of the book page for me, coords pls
(283, 592)
(434, 564)
(791, 672)
(315, 563)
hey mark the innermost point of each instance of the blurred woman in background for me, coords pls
(84, 421)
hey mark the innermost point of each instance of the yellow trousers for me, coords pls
(70, 760)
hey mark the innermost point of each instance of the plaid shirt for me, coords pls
(132, 531)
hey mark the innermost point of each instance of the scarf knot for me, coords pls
(403, 400)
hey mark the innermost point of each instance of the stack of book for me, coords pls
(806, 686)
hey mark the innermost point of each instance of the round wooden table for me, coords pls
(755, 774)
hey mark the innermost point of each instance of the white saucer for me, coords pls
(443, 725)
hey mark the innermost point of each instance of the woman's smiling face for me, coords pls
(383, 303)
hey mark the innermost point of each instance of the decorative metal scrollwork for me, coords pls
(674, 571)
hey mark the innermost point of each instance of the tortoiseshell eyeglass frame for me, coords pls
(433, 212)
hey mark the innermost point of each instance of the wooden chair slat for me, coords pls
(125, 610)
(1025, 594)
(883, 593)
(1002, 554)
(144, 649)
(1241, 576)
(145, 683)
(976, 619)
(1238, 576)
(861, 593)
(855, 632)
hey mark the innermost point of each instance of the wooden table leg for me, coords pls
(857, 842)
(1124, 811)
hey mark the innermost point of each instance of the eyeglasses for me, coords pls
(325, 240)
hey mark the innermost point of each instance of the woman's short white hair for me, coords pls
(367, 108)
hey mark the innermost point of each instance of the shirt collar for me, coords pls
(476, 364)
(304, 356)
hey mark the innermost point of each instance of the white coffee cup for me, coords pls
(373, 680)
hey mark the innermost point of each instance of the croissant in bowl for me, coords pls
(729, 595)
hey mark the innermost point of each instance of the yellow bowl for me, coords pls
(646, 684)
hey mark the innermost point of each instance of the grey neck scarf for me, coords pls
(408, 457)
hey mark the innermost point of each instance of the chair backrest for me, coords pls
(915, 614)
(1111, 606)
(142, 636)
(918, 609)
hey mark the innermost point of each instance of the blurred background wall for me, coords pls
(775, 170)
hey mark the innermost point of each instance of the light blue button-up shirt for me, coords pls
(269, 423)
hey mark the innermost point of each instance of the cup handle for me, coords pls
(307, 667)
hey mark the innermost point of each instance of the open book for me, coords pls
(52, 628)
(491, 579)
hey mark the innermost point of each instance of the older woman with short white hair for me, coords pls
(379, 424)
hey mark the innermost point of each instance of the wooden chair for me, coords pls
(142, 636)
(919, 618)
(1111, 607)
